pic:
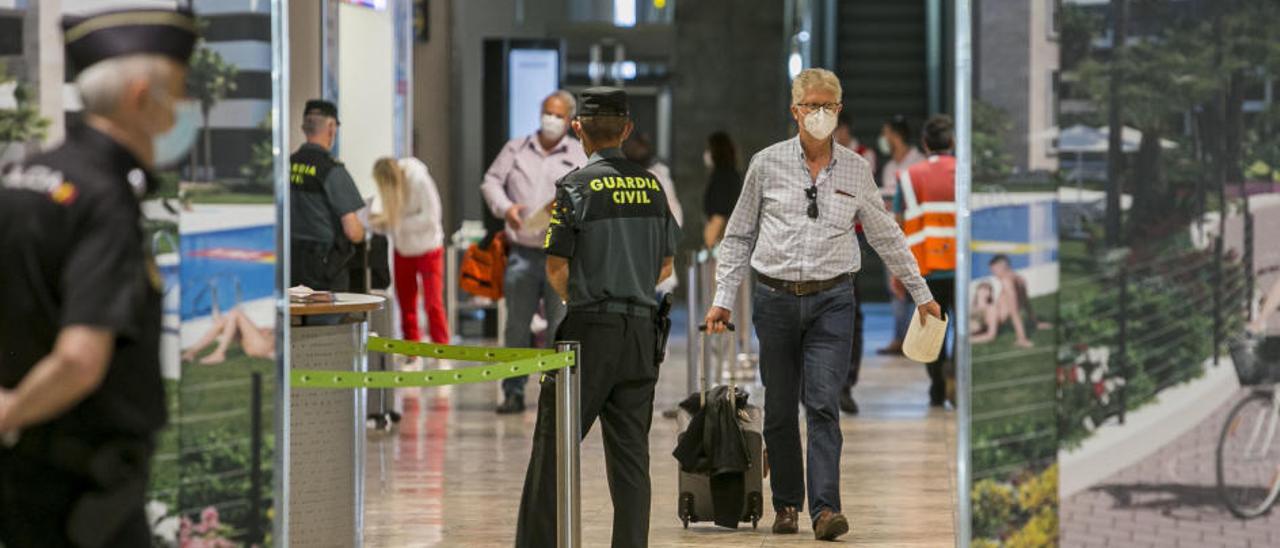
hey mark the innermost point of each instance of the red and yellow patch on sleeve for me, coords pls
(63, 193)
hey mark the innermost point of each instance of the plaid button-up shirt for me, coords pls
(771, 231)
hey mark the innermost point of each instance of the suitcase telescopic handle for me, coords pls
(703, 327)
(702, 365)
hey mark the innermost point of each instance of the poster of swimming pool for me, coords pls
(1013, 313)
(228, 258)
(226, 270)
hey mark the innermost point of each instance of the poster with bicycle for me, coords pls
(1168, 423)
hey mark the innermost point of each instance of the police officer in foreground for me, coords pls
(612, 237)
(323, 201)
(80, 390)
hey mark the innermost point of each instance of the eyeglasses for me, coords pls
(829, 107)
(812, 194)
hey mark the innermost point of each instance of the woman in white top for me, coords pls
(410, 214)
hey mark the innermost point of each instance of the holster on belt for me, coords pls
(662, 325)
(118, 471)
(336, 259)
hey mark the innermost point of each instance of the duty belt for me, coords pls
(800, 289)
(615, 307)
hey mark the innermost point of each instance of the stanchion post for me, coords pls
(451, 288)
(694, 291)
(746, 355)
(568, 442)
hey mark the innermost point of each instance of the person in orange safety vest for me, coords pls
(926, 204)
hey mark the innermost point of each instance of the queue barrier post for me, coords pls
(568, 445)
(503, 363)
(694, 291)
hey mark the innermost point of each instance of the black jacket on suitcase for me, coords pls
(714, 444)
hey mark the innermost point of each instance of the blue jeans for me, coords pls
(805, 348)
(902, 310)
(524, 286)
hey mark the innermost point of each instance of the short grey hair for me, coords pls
(102, 84)
(568, 99)
(814, 78)
(314, 123)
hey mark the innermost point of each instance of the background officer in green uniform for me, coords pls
(323, 201)
(80, 390)
(612, 237)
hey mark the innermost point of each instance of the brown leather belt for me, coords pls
(801, 289)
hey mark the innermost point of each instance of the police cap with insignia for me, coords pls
(603, 101)
(116, 33)
(322, 107)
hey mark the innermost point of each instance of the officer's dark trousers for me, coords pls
(944, 291)
(36, 501)
(618, 377)
(804, 359)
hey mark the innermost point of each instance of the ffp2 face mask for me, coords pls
(820, 123)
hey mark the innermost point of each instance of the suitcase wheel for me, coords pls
(686, 508)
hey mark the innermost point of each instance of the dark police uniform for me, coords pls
(612, 223)
(73, 255)
(321, 191)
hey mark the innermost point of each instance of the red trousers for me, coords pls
(430, 268)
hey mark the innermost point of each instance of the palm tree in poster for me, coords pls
(209, 80)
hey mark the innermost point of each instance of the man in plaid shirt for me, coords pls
(794, 226)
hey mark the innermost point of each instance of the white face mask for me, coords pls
(552, 126)
(883, 145)
(820, 124)
(706, 159)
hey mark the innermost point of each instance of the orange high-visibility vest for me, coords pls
(929, 212)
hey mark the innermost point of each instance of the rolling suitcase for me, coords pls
(370, 274)
(695, 502)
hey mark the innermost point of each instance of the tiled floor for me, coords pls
(451, 475)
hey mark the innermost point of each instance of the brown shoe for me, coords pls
(787, 522)
(829, 525)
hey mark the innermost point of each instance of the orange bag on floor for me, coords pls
(483, 267)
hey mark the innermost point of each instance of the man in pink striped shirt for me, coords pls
(521, 181)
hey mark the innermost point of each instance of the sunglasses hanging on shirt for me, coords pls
(812, 194)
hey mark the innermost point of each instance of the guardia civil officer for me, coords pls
(323, 201)
(80, 390)
(612, 237)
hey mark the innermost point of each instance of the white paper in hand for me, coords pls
(537, 221)
(923, 343)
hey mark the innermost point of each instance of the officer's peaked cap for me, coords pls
(603, 101)
(320, 106)
(105, 35)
